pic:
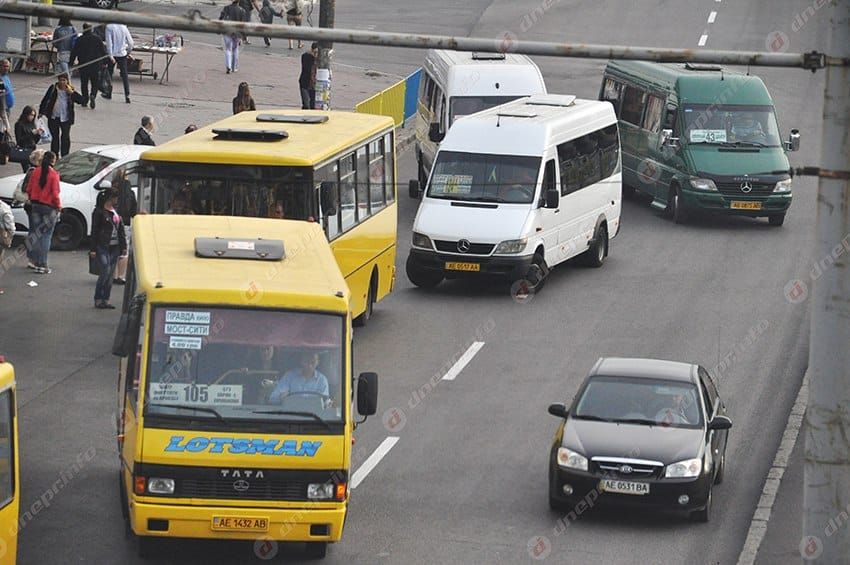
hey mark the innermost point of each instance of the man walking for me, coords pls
(248, 6)
(143, 134)
(307, 80)
(119, 43)
(232, 13)
(90, 52)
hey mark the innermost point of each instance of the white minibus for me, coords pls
(517, 189)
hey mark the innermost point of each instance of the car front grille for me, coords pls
(474, 248)
(734, 189)
(640, 469)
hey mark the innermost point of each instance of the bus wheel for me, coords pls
(677, 209)
(316, 549)
(364, 318)
(596, 253)
(776, 219)
(422, 279)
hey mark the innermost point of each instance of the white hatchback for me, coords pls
(81, 173)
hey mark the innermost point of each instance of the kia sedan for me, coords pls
(640, 432)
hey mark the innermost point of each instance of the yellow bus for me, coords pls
(9, 469)
(235, 389)
(335, 168)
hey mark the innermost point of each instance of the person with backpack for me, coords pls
(108, 243)
(64, 38)
(267, 14)
(43, 190)
(232, 13)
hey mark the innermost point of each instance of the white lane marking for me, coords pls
(758, 525)
(463, 361)
(711, 17)
(373, 460)
(703, 38)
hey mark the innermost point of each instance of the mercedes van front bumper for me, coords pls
(451, 265)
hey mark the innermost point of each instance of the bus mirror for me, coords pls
(367, 394)
(127, 333)
(119, 343)
(434, 132)
(793, 143)
(414, 189)
(328, 196)
(667, 139)
(552, 198)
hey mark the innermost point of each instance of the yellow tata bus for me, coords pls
(235, 389)
(9, 469)
(334, 168)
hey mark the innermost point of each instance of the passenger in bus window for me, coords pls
(279, 212)
(179, 205)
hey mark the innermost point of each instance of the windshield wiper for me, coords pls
(592, 418)
(206, 409)
(639, 421)
(294, 413)
(743, 144)
(488, 199)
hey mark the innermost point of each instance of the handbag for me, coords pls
(104, 82)
(94, 265)
(19, 154)
(6, 238)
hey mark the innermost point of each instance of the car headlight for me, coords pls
(320, 491)
(421, 240)
(571, 460)
(511, 246)
(683, 469)
(157, 485)
(783, 186)
(704, 184)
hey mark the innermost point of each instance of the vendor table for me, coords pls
(165, 45)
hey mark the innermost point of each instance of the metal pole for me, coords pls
(327, 10)
(826, 495)
(194, 21)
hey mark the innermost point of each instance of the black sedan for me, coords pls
(641, 432)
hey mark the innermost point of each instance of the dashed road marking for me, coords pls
(373, 460)
(463, 361)
(712, 16)
(703, 38)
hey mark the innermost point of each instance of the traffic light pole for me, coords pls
(323, 72)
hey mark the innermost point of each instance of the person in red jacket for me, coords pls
(43, 191)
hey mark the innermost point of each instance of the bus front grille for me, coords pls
(242, 489)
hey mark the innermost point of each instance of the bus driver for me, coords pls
(305, 378)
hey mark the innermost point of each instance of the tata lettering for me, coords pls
(289, 447)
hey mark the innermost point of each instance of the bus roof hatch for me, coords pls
(234, 134)
(292, 119)
(241, 248)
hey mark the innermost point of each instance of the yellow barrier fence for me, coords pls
(388, 102)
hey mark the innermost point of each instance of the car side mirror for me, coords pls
(367, 394)
(414, 189)
(553, 198)
(104, 184)
(720, 423)
(667, 139)
(559, 410)
(328, 198)
(435, 133)
(793, 143)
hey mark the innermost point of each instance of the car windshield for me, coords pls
(737, 125)
(80, 166)
(640, 401)
(464, 105)
(480, 177)
(245, 364)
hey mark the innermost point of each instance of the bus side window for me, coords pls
(347, 198)
(376, 174)
(670, 118)
(7, 448)
(389, 167)
(330, 222)
(611, 92)
(652, 119)
(609, 150)
(568, 165)
(362, 181)
(633, 103)
(134, 365)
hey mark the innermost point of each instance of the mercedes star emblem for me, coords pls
(463, 246)
(746, 186)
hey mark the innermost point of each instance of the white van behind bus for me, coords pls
(459, 83)
(517, 189)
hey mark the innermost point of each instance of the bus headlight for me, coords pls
(320, 491)
(704, 184)
(783, 186)
(421, 240)
(157, 485)
(511, 246)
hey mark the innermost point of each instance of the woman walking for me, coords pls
(243, 101)
(43, 191)
(58, 106)
(294, 17)
(128, 207)
(267, 14)
(27, 134)
(107, 244)
(64, 38)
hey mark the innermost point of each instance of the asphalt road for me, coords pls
(466, 481)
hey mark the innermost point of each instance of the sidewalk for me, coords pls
(198, 92)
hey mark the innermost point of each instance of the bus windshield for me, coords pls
(230, 190)
(464, 105)
(222, 364)
(734, 125)
(479, 177)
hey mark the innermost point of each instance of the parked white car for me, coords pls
(81, 173)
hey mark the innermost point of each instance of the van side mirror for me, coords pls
(127, 333)
(553, 198)
(328, 198)
(793, 143)
(559, 410)
(367, 394)
(413, 189)
(667, 139)
(435, 132)
(720, 423)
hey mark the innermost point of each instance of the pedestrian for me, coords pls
(190, 128)
(294, 17)
(307, 80)
(243, 101)
(7, 230)
(43, 191)
(107, 244)
(119, 44)
(232, 13)
(64, 38)
(143, 134)
(27, 134)
(9, 98)
(266, 15)
(20, 196)
(128, 207)
(248, 6)
(58, 106)
(91, 54)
